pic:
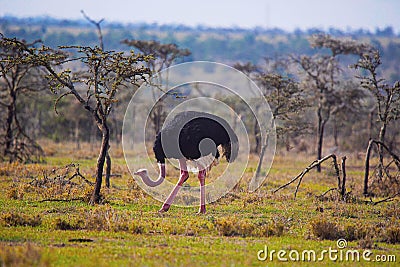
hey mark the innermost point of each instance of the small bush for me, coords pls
(198, 227)
(173, 229)
(101, 218)
(325, 230)
(25, 255)
(136, 229)
(328, 230)
(15, 192)
(391, 211)
(366, 243)
(232, 226)
(15, 219)
(106, 218)
(17, 169)
(350, 232)
(252, 198)
(61, 224)
(392, 234)
(274, 227)
(271, 229)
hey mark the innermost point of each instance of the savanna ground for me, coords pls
(45, 219)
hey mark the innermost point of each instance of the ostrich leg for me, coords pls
(202, 179)
(183, 177)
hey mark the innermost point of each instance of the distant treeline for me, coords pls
(228, 45)
(285, 65)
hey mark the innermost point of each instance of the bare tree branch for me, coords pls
(309, 168)
(98, 26)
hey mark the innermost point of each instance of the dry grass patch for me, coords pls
(10, 219)
(22, 255)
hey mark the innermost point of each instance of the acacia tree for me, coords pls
(251, 71)
(17, 78)
(387, 98)
(284, 96)
(101, 44)
(95, 87)
(322, 80)
(164, 55)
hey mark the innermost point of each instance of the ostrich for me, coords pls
(191, 135)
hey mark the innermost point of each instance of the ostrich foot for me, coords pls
(202, 209)
(164, 208)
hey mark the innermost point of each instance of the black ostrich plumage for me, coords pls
(192, 135)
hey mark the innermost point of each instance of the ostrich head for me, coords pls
(142, 173)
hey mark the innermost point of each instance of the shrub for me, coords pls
(106, 218)
(366, 243)
(232, 226)
(350, 232)
(136, 228)
(16, 219)
(392, 234)
(273, 228)
(101, 218)
(25, 255)
(61, 224)
(15, 192)
(325, 230)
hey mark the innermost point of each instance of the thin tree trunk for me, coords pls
(96, 197)
(366, 172)
(254, 183)
(287, 142)
(10, 116)
(370, 124)
(77, 141)
(335, 132)
(93, 135)
(321, 128)
(343, 186)
(382, 134)
(108, 169)
(257, 136)
(320, 143)
(11, 109)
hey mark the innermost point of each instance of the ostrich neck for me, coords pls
(152, 183)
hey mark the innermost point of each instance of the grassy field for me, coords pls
(45, 219)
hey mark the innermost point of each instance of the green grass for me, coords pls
(127, 231)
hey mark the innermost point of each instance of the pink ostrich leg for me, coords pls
(202, 179)
(183, 177)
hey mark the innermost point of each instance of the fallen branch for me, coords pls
(383, 200)
(78, 173)
(56, 176)
(309, 168)
(62, 200)
(327, 191)
(59, 184)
